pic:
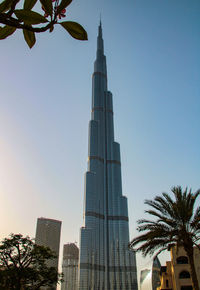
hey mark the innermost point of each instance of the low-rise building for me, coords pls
(176, 275)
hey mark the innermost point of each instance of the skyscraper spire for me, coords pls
(105, 260)
(100, 29)
(100, 48)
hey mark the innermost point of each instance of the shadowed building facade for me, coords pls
(48, 235)
(105, 261)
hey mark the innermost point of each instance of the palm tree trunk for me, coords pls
(195, 282)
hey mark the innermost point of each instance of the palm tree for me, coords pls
(176, 222)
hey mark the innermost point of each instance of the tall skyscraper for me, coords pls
(70, 267)
(105, 261)
(48, 235)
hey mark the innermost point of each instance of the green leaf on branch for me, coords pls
(6, 31)
(47, 5)
(5, 5)
(75, 30)
(30, 17)
(29, 4)
(63, 5)
(29, 36)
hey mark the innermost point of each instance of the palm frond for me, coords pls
(153, 203)
(174, 222)
(196, 219)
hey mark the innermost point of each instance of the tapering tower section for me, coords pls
(105, 262)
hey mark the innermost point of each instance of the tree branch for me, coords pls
(12, 8)
(16, 23)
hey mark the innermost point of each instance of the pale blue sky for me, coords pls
(152, 49)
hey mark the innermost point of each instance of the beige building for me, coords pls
(176, 274)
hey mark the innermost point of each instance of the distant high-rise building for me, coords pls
(70, 267)
(48, 235)
(106, 263)
(150, 276)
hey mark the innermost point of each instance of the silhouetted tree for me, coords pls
(176, 223)
(28, 20)
(23, 264)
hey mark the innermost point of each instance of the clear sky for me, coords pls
(153, 60)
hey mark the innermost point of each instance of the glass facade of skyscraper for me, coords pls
(105, 259)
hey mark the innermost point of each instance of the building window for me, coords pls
(167, 283)
(184, 275)
(182, 260)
